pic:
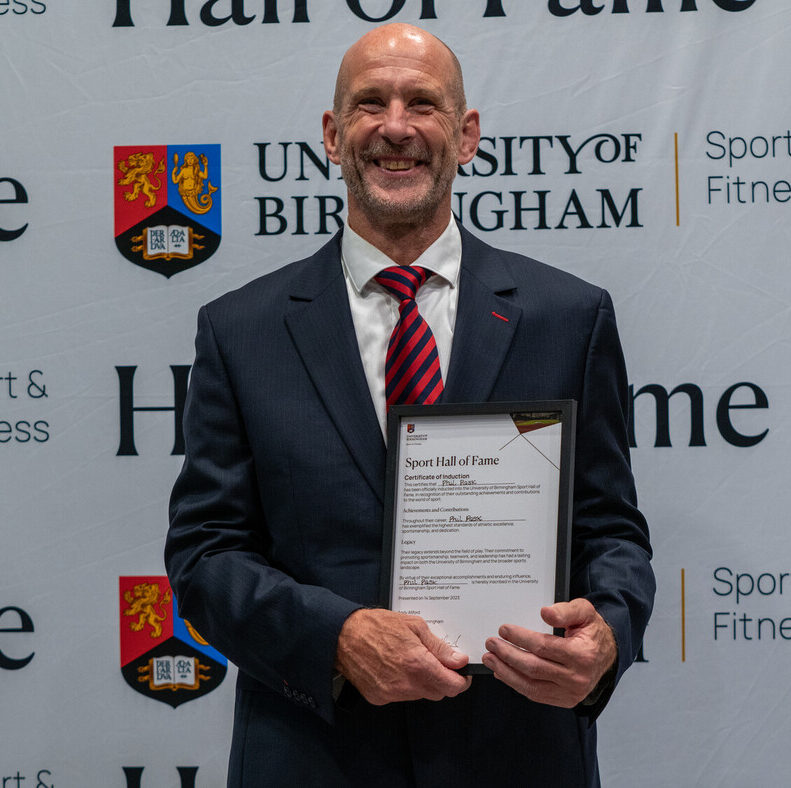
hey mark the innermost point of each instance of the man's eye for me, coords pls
(422, 105)
(370, 104)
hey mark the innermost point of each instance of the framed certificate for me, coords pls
(478, 516)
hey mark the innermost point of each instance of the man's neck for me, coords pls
(402, 243)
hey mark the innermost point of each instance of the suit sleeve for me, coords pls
(610, 550)
(281, 633)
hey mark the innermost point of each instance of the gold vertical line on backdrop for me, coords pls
(683, 621)
(678, 210)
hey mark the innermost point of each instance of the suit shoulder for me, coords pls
(306, 277)
(532, 276)
(524, 266)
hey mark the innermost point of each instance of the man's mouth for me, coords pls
(396, 165)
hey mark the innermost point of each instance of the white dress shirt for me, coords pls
(375, 311)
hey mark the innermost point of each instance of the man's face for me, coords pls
(398, 132)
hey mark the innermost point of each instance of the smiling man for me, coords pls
(275, 542)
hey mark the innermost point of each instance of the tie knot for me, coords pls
(402, 281)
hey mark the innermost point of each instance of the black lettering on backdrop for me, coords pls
(733, 5)
(24, 429)
(652, 6)
(123, 14)
(41, 774)
(19, 198)
(36, 388)
(127, 408)
(238, 13)
(262, 157)
(498, 213)
(427, 9)
(322, 165)
(696, 411)
(608, 205)
(563, 8)
(396, 5)
(586, 6)
(536, 151)
(490, 210)
(25, 625)
(11, 388)
(540, 208)
(606, 149)
(489, 158)
(20, 7)
(574, 208)
(239, 16)
(494, 8)
(273, 221)
(662, 401)
(278, 170)
(724, 406)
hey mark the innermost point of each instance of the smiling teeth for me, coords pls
(396, 165)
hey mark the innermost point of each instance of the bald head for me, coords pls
(400, 40)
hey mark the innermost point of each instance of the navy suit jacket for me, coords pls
(276, 519)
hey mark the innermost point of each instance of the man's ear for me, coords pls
(330, 132)
(470, 135)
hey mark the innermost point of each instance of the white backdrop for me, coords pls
(582, 105)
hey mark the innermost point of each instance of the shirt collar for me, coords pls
(362, 260)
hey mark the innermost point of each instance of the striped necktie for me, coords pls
(412, 373)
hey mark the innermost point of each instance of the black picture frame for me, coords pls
(565, 410)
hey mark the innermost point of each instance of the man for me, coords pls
(275, 540)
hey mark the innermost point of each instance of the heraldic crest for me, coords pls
(167, 221)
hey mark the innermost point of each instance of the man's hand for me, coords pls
(560, 671)
(392, 656)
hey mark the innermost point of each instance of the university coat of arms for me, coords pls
(162, 656)
(168, 207)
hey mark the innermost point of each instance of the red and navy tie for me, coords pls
(412, 373)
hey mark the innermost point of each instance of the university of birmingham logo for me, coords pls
(162, 656)
(168, 207)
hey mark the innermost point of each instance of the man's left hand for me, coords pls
(559, 671)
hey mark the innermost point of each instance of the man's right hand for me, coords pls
(392, 656)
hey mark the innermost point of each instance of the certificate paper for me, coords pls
(478, 516)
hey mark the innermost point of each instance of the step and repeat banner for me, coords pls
(157, 153)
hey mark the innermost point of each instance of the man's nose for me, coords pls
(396, 125)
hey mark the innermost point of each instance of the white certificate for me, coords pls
(478, 516)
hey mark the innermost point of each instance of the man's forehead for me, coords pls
(396, 74)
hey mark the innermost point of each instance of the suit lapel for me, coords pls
(321, 327)
(486, 319)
